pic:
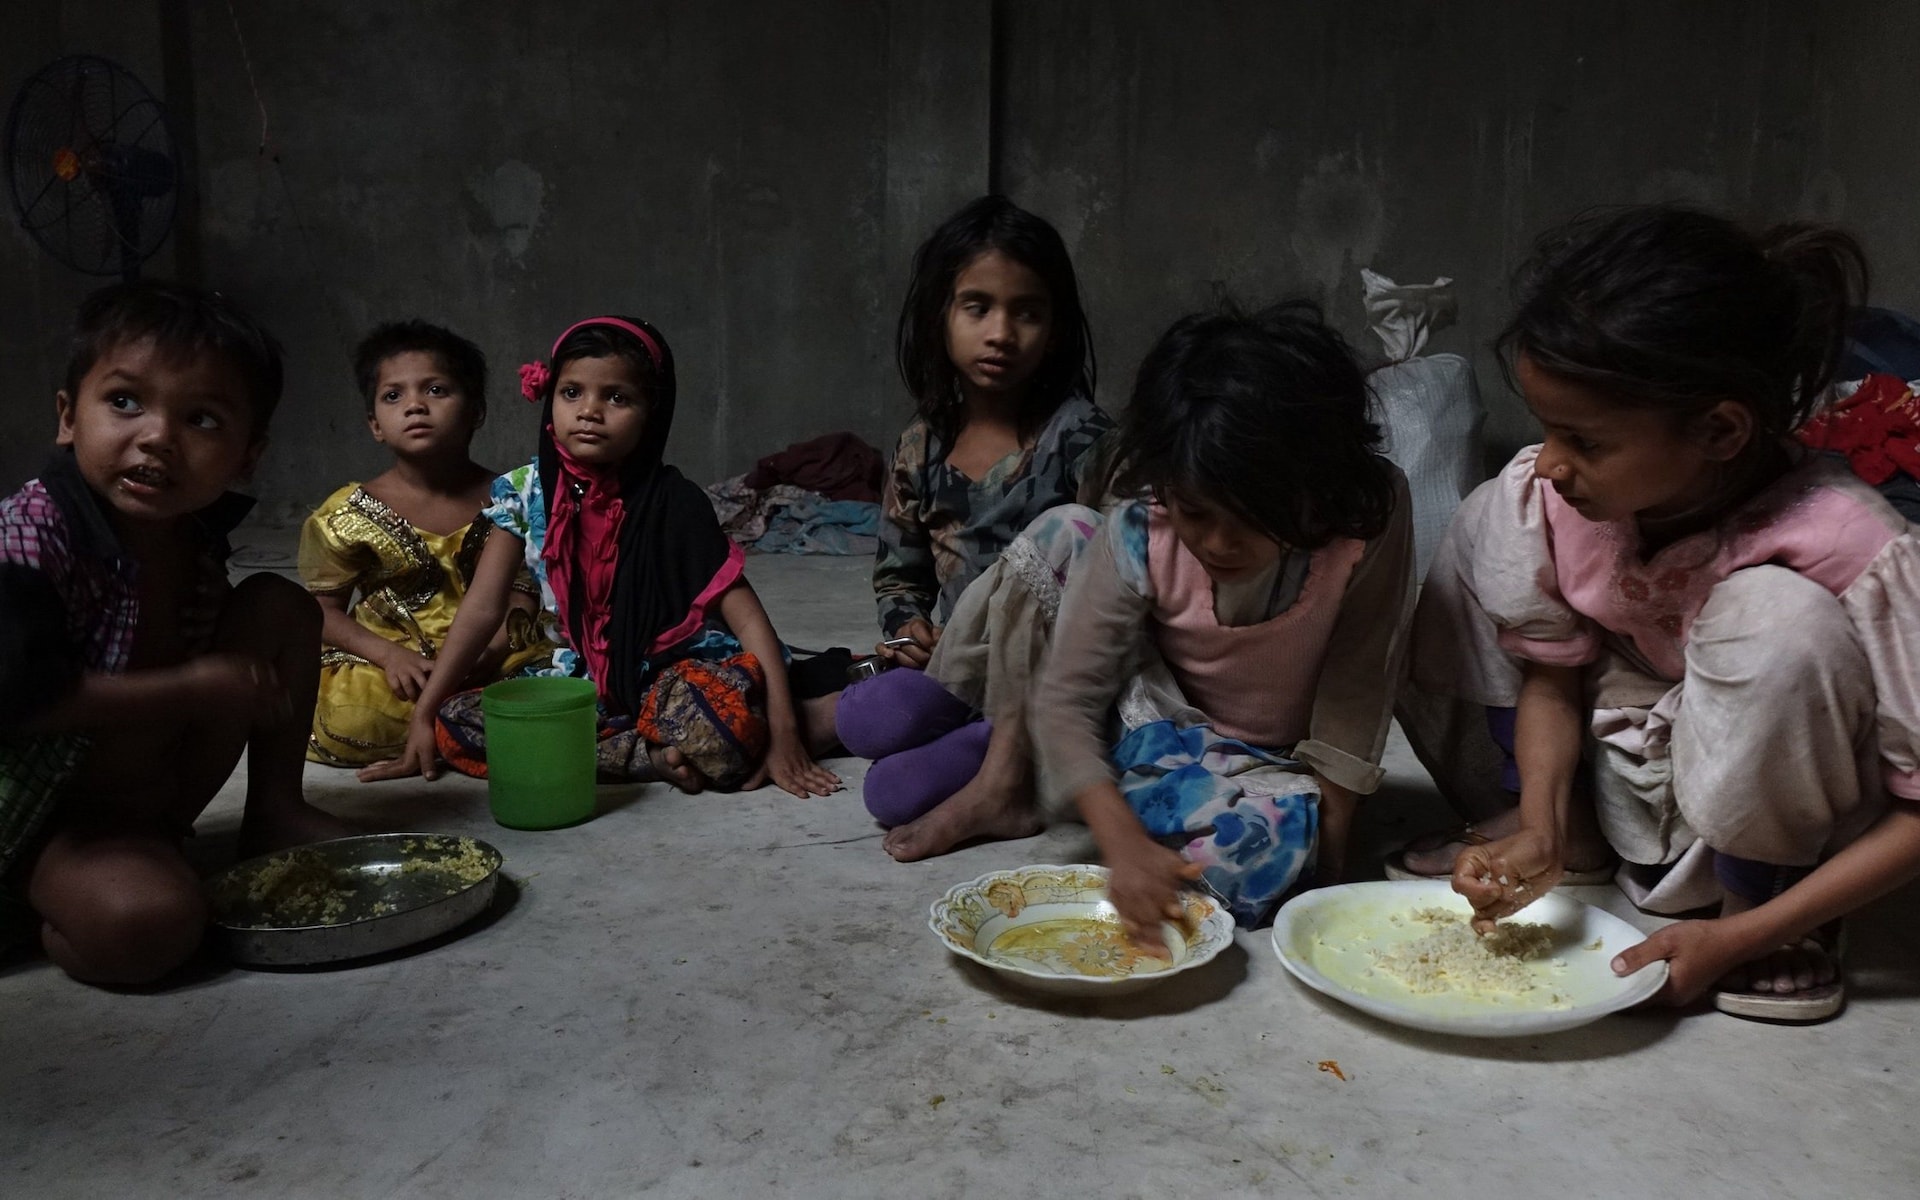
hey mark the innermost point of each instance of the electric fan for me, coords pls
(92, 165)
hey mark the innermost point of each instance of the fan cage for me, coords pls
(92, 165)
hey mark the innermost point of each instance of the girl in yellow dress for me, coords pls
(390, 559)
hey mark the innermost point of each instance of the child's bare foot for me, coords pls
(1432, 855)
(985, 808)
(294, 824)
(675, 769)
(817, 722)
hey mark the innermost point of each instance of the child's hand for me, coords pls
(236, 684)
(790, 766)
(420, 757)
(1145, 887)
(407, 673)
(1698, 954)
(1502, 877)
(925, 637)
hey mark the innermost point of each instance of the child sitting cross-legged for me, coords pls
(641, 592)
(390, 559)
(131, 678)
(995, 348)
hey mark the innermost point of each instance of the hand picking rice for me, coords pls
(1453, 958)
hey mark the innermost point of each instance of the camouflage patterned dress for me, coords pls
(939, 530)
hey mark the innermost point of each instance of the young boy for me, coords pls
(130, 677)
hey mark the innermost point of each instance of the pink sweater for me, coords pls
(1558, 585)
(1255, 682)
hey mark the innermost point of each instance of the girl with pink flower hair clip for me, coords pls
(641, 592)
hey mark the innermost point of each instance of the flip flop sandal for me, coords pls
(1467, 836)
(1802, 1007)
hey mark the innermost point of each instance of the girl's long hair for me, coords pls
(1671, 308)
(1267, 415)
(991, 223)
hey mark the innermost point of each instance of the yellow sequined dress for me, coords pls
(407, 585)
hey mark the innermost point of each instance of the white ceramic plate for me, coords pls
(1326, 938)
(1052, 929)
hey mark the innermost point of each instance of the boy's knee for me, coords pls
(276, 596)
(268, 601)
(134, 936)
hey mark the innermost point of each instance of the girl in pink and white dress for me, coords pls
(1224, 662)
(1709, 634)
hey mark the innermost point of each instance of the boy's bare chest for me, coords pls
(168, 590)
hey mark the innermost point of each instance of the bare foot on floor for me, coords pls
(982, 809)
(1432, 854)
(290, 825)
(675, 769)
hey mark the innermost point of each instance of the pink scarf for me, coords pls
(583, 548)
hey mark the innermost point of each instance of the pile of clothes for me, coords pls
(815, 497)
(1875, 423)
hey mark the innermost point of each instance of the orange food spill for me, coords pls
(1333, 1068)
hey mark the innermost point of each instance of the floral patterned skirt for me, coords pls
(1249, 816)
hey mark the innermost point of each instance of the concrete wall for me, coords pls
(37, 294)
(753, 175)
(1267, 149)
(747, 178)
(751, 181)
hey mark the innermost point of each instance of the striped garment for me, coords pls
(69, 604)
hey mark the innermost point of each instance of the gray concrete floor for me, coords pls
(738, 996)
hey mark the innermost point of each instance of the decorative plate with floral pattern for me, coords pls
(1051, 928)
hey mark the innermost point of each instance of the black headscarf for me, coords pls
(671, 545)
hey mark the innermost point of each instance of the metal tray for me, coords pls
(351, 897)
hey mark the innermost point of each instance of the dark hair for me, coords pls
(991, 223)
(180, 320)
(1268, 416)
(1665, 307)
(657, 379)
(460, 360)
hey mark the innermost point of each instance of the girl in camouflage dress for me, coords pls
(995, 348)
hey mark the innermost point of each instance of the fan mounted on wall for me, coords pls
(92, 165)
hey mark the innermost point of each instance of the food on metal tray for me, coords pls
(302, 887)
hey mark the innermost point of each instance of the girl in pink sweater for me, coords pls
(1223, 667)
(1709, 632)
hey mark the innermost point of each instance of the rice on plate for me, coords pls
(1405, 952)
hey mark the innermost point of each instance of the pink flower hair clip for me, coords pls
(533, 379)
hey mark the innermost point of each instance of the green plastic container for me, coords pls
(540, 751)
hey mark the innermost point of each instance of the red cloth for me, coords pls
(583, 534)
(837, 465)
(1877, 428)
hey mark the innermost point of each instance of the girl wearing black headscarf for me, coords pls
(641, 591)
